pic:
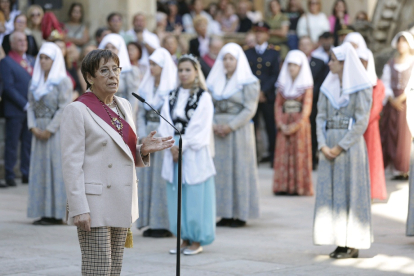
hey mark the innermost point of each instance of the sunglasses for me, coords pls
(35, 14)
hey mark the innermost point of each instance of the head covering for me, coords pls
(119, 43)
(304, 80)
(216, 81)
(261, 27)
(408, 36)
(364, 53)
(39, 87)
(354, 77)
(168, 80)
(51, 27)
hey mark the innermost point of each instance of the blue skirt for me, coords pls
(198, 210)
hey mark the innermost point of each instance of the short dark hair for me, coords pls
(138, 46)
(326, 35)
(112, 14)
(75, 4)
(90, 64)
(100, 31)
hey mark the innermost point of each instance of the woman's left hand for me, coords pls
(336, 151)
(152, 144)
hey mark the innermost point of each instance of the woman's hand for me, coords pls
(36, 132)
(43, 135)
(175, 152)
(152, 144)
(336, 151)
(225, 130)
(83, 222)
(397, 103)
(327, 152)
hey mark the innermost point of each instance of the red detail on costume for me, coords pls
(22, 62)
(92, 102)
(209, 60)
(50, 23)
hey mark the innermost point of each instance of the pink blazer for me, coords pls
(332, 20)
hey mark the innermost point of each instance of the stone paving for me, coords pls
(279, 243)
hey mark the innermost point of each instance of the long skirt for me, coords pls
(293, 162)
(410, 218)
(343, 197)
(236, 180)
(198, 210)
(47, 195)
(152, 195)
(396, 138)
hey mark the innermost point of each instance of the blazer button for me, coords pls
(104, 143)
(110, 166)
(108, 186)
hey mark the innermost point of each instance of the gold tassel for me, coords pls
(129, 242)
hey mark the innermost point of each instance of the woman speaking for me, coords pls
(99, 153)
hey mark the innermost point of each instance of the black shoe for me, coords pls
(11, 183)
(280, 193)
(3, 184)
(25, 179)
(160, 233)
(224, 222)
(238, 223)
(48, 221)
(266, 159)
(339, 249)
(147, 233)
(350, 253)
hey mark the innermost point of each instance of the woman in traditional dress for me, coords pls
(372, 134)
(342, 207)
(395, 134)
(410, 121)
(128, 81)
(50, 91)
(235, 92)
(190, 109)
(160, 80)
(293, 154)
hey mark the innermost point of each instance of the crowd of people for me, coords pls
(310, 79)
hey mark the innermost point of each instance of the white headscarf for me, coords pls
(354, 78)
(216, 81)
(364, 53)
(304, 80)
(119, 43)
(57, 72)
(408, 36)
(168, 80)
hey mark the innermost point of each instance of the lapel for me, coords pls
(114, 135)
(124, 109)
(19, 70)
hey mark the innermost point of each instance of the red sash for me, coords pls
(21, 61)
(128, 135)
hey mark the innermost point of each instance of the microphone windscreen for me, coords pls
(138, 97)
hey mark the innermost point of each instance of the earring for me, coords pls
(92, 86)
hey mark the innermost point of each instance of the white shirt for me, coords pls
(315, 24)
(204, 43)
(321, 54)
(198, 163)
(213, 27)
(260, 49)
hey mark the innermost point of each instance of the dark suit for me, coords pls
(266, 68)
(319, 72)
(194, 47)
(32, 48)
(16, 83)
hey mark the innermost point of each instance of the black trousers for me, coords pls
(313, 115)
(16, 130)
(267, 110)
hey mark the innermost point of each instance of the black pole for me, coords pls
(180, 161)
(180, 152)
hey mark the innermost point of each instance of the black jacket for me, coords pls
(194, 45)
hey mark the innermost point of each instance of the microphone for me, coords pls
(180, 164)
(141, 99)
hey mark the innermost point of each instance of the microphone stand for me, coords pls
(180, 152)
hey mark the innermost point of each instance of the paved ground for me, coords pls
(279, 243)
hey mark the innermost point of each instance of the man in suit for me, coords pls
(199, 45)
(264, 62)
(16, 70)
(319, 72)
(207, 61)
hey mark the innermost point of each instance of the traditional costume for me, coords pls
(293, 154)
(395, 134)
(343, 198)
(152, 195)
(235, 101)
(410, 121)
(191, 112)
(372, 134)
(128, 79)
(47, 99)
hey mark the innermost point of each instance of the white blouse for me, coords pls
(386, 79)
(313, 26)
(198, 163)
